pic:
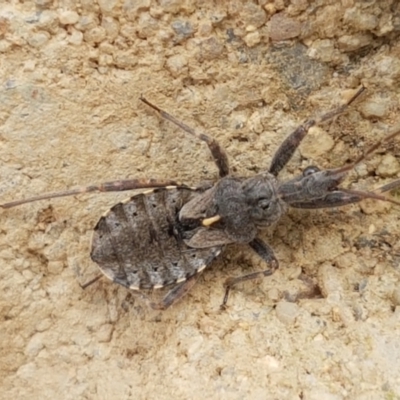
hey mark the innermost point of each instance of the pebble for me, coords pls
(253, 16)
(389, 166)
(68, 17)
(125, 60)
(48, 21)
(282, 27)
(354, 42)
(95, 35)
(104, 333)
(107, 5)
(176, 64)
(361, 21)
(183, 29)
(86, 22)
(324, 50)
(287, 312)
(252, 38)
(316, 143)
(76, 37)
(111, 27)
(329, 280)
(374, 108)
(211, 48)
(38, 39)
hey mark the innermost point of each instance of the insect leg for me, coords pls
(218, 153)
(290, 144)
(267, 254)
(175, 294)
(89, 283)
(115, 186)
(343, 197)
(390, 186)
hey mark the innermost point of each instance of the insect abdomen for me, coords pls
(138, 243)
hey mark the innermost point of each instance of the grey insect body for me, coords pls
(140, 244)
(169, 234)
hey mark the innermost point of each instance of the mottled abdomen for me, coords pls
(138, 243)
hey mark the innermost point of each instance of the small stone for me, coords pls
(316, 143)
(329, 280)
(183, 29)
(388, 67)
(104, 333)
(43, 325)
(322, 50)
(86, 22)
(75, 38)
(68, 17)
(171, 6)
(205, 29)
(374, 108)
(125, 60)
(35, 345)
(105, 60)
(360, 20)
(111, 27)
(252, 38)
(38, 39)
(147, 26)
(133, 7)
(253, 16)
(354, 42)
(217, 16)
(327, 20)
(211, 48)
(29, 65)
(347, 261)
(107, 5)
(48, 21)
(372, 207)
(176, 64)
(282, 27)
(389, 166)
(55, 267)
(371, 229)
(287, 312)
(274, 294)
(95, 35)
(297, 6)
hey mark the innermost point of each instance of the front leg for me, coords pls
(267, 254)
(290, 144)
(343, 197)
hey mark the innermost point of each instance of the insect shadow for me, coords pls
(166, 236)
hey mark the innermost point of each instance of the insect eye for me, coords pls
(264, 204)
(312, 169)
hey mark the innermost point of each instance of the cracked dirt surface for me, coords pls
(247, 73)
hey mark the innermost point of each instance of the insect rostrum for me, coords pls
(169, 234)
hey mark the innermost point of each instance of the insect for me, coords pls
(166, 236)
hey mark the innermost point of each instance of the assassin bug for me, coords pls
(169, 234)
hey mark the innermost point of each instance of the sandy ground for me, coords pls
(247, 73)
